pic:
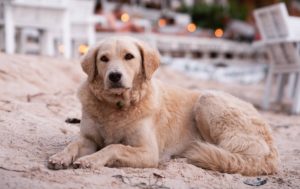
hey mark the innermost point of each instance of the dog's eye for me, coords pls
(128, 56)
(104, 59)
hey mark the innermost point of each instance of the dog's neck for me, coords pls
(125, 100)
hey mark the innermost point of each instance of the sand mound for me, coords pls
(37, 94)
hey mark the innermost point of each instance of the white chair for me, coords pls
(281, 37)
(48, 17)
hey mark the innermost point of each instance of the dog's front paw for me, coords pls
(88, 162)
(82, 163)
(60, 160)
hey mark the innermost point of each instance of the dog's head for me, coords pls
(118, 61)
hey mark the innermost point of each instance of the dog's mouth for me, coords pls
(118, 90)
(116, 85)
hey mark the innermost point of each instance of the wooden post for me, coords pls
(268, 86)
(296, 101)
(281, 80)
(91, 34)
(66, 35)
(47, 43)
(9, 30)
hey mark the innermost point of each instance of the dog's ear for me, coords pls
(88, 63)
(150, 58)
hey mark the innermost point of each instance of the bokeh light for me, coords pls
(219, 32)
(162, 22)
(191, 27)
(82, 49)
(125, 17)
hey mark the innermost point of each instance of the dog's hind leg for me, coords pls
(238, 140)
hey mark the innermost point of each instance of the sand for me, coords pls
(37, 94)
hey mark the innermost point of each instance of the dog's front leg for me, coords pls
(119, 155)
(88, 143)
(141, 151)
(75, 149)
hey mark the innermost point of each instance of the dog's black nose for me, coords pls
(115, 77)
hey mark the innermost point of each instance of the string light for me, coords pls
(162, 22)
(191, 27)
(125, 17)
(83, 49)
(219, 32)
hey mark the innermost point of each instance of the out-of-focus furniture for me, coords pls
(138, 16)
(48, 17)
(281, 37)
(82, 23)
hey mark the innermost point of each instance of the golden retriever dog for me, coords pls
(131, 119)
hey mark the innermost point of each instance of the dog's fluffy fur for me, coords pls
(145, 121)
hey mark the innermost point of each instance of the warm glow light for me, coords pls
(219, 32)
(191, 27)
(83, 49)
(61, 49)
(162, 22)
(125, 17)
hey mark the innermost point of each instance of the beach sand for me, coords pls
(37, 95)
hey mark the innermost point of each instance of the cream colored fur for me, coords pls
(147, 121)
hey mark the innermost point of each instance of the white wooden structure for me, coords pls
(72, 23)
(48, 17)
(68, 22)
(281, 37)
(82, 23)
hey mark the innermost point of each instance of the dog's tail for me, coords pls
(209, 156)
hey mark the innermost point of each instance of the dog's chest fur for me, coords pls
(116, 127)
(114, 124)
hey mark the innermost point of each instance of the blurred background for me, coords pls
(248, 48)
(228, 41)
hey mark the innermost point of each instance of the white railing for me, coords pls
(49, 17)
(71, 23)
